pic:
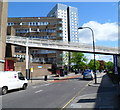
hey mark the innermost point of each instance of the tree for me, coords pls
(109, 65)
(78, 59)
(91, 64)
(102, 65)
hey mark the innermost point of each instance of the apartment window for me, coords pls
(37, 23)
(10, 24)
(22, 30)
(47, 30)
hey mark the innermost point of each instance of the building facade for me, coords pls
(69, 16)
(3, 29)
(37, 28)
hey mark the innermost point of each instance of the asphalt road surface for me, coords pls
(50, 95)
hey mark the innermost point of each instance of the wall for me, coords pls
(20, 66)
(3, 24)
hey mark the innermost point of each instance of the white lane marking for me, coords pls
(40, 86)
(34, 87)
(45, 85)
(38, 91)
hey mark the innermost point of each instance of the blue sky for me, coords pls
(88, 11)
(101, 12)
(97, 15)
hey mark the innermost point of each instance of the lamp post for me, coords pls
(93, 50)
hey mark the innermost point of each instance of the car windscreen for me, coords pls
(20, 76)
(87, 71)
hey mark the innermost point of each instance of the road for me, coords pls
(49, 95)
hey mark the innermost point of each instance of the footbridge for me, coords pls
(60, 45)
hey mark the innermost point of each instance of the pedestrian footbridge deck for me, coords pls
(60, 45)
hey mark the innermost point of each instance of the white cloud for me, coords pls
(102, 32)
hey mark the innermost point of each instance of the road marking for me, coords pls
(74, 97)
(40, 86)
(89, 83)
(38, 91)
(46, 84)
(34, 87)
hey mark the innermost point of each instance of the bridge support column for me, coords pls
(27, 61)
(117, 71)
(119, 68)
(115, 60)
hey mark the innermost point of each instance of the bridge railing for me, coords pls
(58, 44)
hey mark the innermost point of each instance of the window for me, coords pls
(10, 24)
(20, 76)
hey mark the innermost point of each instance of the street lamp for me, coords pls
(93, 51)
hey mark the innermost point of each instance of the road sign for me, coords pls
(31, 69)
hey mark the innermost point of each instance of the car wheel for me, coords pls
(4, 90)
(24, 86)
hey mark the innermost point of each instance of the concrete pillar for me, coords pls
(27, 61)
(3, 31)
(115, 60)
(27, 58)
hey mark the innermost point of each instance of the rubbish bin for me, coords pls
(61, 72)
(45, 78)
(76, 72)
(65, 72)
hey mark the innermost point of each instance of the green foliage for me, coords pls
(79, 60)
(91, 64)
(109, 65)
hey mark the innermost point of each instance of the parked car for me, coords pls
(88, 74)
(10, 80)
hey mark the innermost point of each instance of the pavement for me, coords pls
(106, 97)
(52, 78)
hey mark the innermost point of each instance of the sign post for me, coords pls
(31, 71)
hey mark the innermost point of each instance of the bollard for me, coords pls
(45, 78)
(28, 74)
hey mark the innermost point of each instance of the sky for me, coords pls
(102, 17)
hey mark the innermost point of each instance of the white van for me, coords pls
(12, 80)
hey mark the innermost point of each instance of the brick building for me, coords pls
(37, 28)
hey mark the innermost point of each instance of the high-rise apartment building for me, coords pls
(69, 17)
